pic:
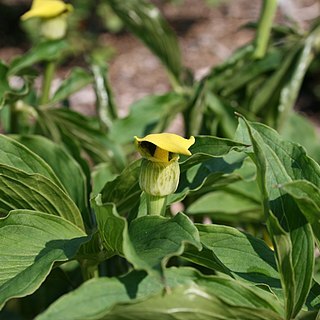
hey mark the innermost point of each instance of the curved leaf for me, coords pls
(192, 296)
(65, 167)
(15, 154)
(30, 242)
(279, 162)
(77, 79)
(20, 190)
(149, 250)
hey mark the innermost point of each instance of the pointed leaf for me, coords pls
(30, 243)
(77, 79)
(44, 51)
(279, 162)
(236, 253)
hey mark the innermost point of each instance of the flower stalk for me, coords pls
(160, 171)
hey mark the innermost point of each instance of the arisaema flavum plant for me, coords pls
(219, 222)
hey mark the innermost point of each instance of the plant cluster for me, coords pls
(86, 228)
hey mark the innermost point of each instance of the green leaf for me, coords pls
(124, 191)
(290, 91)
(43, 51)
(30, 243)
(270, 89)
(207, 147)
(21, 190)
(144, 115)
(105, 105)
(65, 167)
(307, 135)
(236, 253)
(15, 154)
(149, 250)
(113, 228)
(307, 197)
(161, 239)
(207, 175)
(145, 21)
(77, 79)
(279, 162)
(238, 202)
(192, 296)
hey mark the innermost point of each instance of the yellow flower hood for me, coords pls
(47, 9)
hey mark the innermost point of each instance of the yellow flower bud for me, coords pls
(53, 15)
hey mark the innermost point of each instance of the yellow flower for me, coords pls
(47, 9)
(163, 147)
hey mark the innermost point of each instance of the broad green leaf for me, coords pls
(207, 147)
(279, 162)
(236, 253)
(228, 205)
(113, 228)
(145, 21)
(30, 243)
(77, 79)
(161, 239)
(44, 51)
(149, 250)
(144, 115)
(111, 298)
(21, 190)
(203, 172)
(307, 135)
(307, 197)
(188, 303)
(65, 167)
(124, 191)
(15, 154)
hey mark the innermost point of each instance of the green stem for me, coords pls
(268, 12)
(14, 123)
(156, 205)
(48, 76)
(89, 270)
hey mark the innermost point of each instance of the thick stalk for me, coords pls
(156, 205)
(47, 80)
(267, 14)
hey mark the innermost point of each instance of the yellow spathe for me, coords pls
(163, 147)
(47, 9)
